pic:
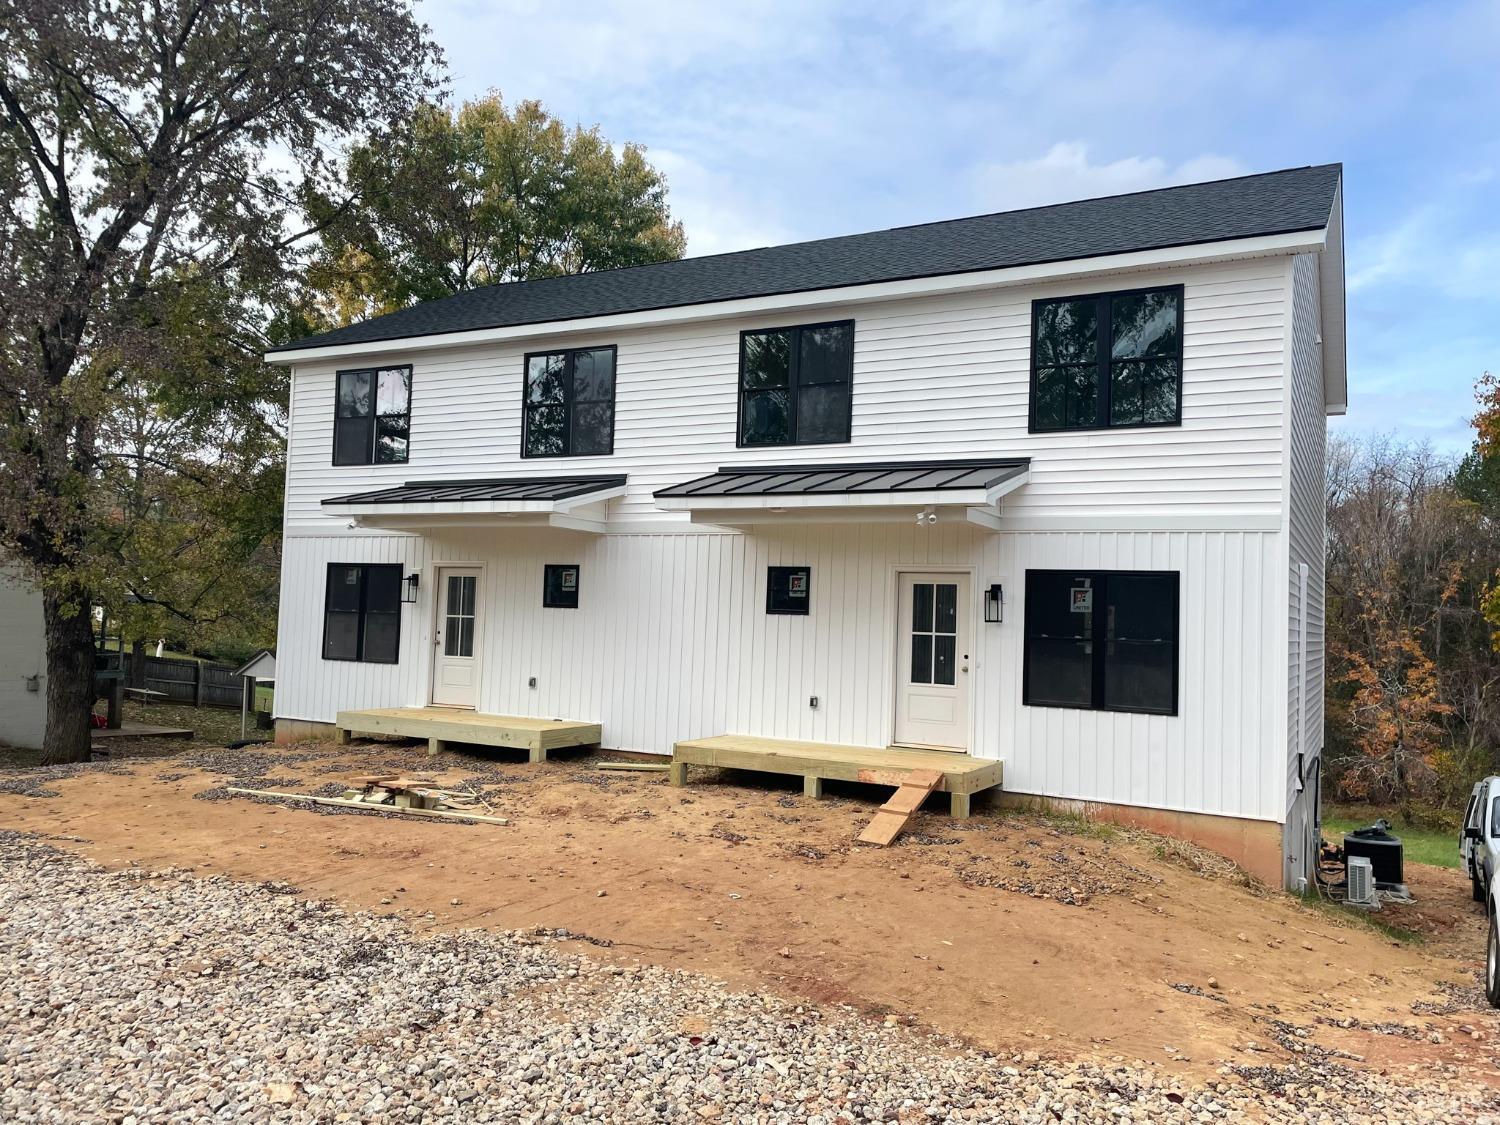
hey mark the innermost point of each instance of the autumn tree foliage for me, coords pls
(1414, 676)
(149, 150)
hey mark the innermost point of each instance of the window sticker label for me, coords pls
(1083, 599)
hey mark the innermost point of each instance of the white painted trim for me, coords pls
(1224, 250)
(1229, 521)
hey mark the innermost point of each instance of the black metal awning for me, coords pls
(541, 489)
(892, 477)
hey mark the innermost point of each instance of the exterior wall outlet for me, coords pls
(531, 682)
(813, 702)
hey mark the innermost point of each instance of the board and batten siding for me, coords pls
(944, 376)
(1305, 521)
(671, 641)
(23, 654)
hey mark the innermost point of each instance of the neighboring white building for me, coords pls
(780, 492)
(23, 663)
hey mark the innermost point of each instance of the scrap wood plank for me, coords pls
(366, 805)
(638, 767)
(905, 801)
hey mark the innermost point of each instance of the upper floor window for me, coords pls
(570, 403)
(796, 384)
(372, 423)
(1111, 359)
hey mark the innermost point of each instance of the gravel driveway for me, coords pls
(139, 997)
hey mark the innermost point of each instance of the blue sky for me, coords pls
(780, 120)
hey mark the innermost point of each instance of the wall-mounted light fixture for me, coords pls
(409, 595)
(994, 604)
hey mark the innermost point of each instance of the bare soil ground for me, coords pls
(1012, 932)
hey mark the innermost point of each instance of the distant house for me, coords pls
(1043, 487)
(23, 663)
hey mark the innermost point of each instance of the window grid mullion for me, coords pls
(570, 366)
(794, 378)
(1100, 635)
(1104, 327)
(364, 594)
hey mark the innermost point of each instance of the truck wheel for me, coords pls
(1476, 888)
(1492, 966)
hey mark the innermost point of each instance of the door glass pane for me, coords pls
(921, 607)
(458, 624)
(946, 620)
(921, 658)
(943, 651)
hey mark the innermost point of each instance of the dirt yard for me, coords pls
(1012, 933)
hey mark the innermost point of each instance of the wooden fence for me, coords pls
(197, 682)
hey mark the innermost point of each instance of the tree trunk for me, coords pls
(70, 677)
(137, 664)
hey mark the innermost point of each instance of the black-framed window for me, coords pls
(362, 613)
(1107, 360)
(560, 586)
(796, 385)
(1101, 640)
(569, 403)
(789, 590)
(372, 416)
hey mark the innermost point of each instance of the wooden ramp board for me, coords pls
(905, 801)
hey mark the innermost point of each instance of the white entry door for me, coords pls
(455, 661)
(932, 661)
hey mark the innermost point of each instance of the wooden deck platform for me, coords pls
(137, 730)
(816, 762)
(441, 725)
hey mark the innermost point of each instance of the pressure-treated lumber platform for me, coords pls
(441, 725)
(817, 762)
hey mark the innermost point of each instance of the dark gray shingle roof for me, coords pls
(500, 488)
(1296, 199)
(887, 476)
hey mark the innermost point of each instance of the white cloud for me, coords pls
(1065, 172)
(717, 211)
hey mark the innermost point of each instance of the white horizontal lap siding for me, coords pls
(934, 377)
(23, 654)
(1306, 519)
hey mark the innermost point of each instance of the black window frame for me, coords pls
(776, 577)
(569, 399)
(1103, 335)
(794, 384)
(370, 453)
(1099, 580)
(558, 597)
(364, 610)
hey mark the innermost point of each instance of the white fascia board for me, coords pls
(811, 501)
(1259, 247)
(1331, 299)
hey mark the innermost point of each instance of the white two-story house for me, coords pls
(1043, 486)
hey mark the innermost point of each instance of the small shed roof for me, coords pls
(882, 477)
(260, 667)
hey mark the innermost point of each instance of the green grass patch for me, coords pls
(1352, 915)
(1423, 843)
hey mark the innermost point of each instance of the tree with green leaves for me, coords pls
(484, 194)
(148, 149)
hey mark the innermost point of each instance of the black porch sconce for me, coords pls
(409, 595)
(994, 604)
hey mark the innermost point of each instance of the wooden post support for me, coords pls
(114, 714)
(677, 774)
(434, 747)
(812, 786)
(959, 805)
(536, 754)
(340, 737)
(197, 683)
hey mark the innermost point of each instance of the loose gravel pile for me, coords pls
(153, 997)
